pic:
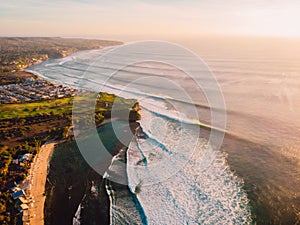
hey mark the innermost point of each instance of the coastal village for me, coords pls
(25, 191)
(20, 192)
(23, 194)
(33, 90)
(26, 132)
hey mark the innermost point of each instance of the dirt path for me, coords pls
(38, 176)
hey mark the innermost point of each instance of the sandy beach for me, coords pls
(38, 176)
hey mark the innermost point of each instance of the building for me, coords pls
(21, 201)
(25, 217)
(26, 157)
(18, 194)
(23, 207)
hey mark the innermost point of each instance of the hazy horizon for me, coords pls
(150, 19)
(201, 126)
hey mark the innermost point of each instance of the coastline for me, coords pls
(24, 134)
(37, 182)
(71, 189)
(242, 162)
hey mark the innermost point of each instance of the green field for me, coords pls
(55, 107)
(59, 106)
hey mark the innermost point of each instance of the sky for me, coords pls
(133, 19)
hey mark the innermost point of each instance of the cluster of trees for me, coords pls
(5, 160)
(8, 172)
(7, 209)
(18, 61)
(11, 173)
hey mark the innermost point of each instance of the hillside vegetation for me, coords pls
(18, 53)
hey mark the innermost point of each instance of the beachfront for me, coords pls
(34, 185)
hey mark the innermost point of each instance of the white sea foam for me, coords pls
(166, 170)
(191, 195)
(76, 218)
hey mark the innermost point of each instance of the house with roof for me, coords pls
(26, 157)
(23, 207)
(21, 201)
(25, 217)
(18, 194)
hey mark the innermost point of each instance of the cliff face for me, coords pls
(134, 113)
(72, 182)
(134, 116)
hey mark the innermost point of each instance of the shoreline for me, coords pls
(37, 182)
(123, 203)
(72, 187)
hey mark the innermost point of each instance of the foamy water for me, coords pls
(185, 194)
(262, 99)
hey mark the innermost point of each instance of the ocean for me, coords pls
(180, 174)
